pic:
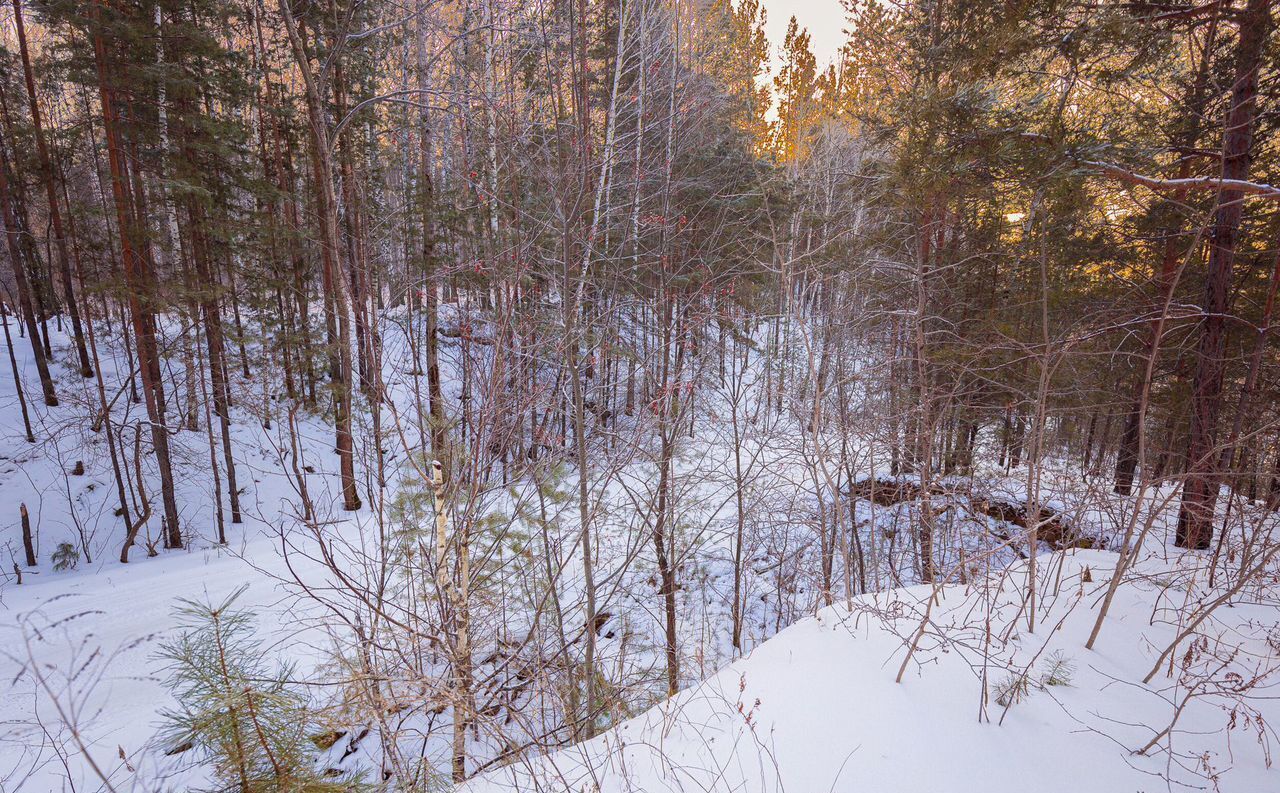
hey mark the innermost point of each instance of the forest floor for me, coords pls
(986, 701)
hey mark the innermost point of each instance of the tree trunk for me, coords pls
(339, 358)
(139, 279)
(55, 213)
(28, 542)
(17, 259)
(430, 297)
(1200, 491)
(17, 378)
(1193, 117)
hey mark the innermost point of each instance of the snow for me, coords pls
(816, 707)
(813, 705)
(93, 632)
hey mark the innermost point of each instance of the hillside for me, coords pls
(817, 707)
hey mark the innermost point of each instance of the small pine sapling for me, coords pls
(1012, 689)
(65, 557)
(242, 718)
(1058, 670)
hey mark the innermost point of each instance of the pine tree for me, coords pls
(242, 718)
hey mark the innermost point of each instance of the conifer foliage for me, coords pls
(245, 720)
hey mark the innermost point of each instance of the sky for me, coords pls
(824, 19)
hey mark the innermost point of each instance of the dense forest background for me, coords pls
(464, 247)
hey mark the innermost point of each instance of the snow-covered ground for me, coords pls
(817, 708)
(78, 646)
(811, 707)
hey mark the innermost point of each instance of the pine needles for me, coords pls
(241, 717)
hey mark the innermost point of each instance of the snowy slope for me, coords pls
(816, 708)
(79, 646)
